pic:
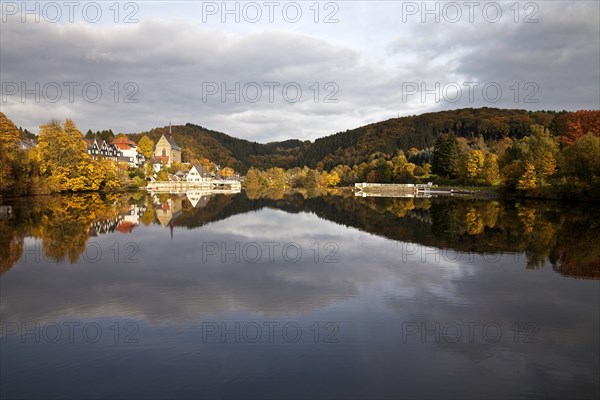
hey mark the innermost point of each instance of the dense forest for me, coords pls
(199, 143)
(358, 145)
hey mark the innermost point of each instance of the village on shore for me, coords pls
(166, 154)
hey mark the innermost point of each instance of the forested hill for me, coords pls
(420, 131)
(198, 142)
(359, 144)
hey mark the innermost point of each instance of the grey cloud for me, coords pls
(559, 54)
(170, 59)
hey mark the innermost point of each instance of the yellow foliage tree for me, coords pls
(332, 179)
(276, 177)
(474, 163)
(408, 169)
(65, 164)
(528, 180)
(491, 171)
(549, 165)
(226, 172)
(146, 146)
(9, 135)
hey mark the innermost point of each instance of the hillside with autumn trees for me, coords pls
(534, 153)
(200, 143)
(386, 137)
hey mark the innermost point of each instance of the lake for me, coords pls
(298, 295)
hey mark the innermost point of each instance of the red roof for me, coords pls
(126, 227)
(124, 141)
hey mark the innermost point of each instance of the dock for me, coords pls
(214, 186)
(364, 189)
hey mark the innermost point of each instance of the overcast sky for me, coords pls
(270, 71)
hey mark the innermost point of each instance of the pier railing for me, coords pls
(399, 189)
(214, 185)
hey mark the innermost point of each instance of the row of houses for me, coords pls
(166, 151)
(121, 149)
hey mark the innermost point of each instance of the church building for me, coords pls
(166, 150)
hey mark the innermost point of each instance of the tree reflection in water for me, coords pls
(566, 236)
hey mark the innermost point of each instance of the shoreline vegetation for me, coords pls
(484, 152)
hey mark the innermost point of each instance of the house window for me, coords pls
(164, 152)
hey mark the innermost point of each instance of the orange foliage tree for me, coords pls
(574, 125)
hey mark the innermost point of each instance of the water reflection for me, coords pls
(171, 263)
(566, 236)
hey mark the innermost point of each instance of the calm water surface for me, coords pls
(296, 295)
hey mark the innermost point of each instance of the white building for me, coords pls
(198, 174)
(129, 152)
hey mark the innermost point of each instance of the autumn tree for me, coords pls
(332, 179)
(474, 164)
(502, 145)
(146, 146)
(407, 172)
(490, 172)
(582, 158)
(276, 177)
(540, 149)
(427, 168)
(311, 180)
(548, 165)
(397, 162)
(227, 172)
(65, 164)
(252, 179)
(9, 135)
(574, 125)
(345, 174)
(528, 180)
(162, 175)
